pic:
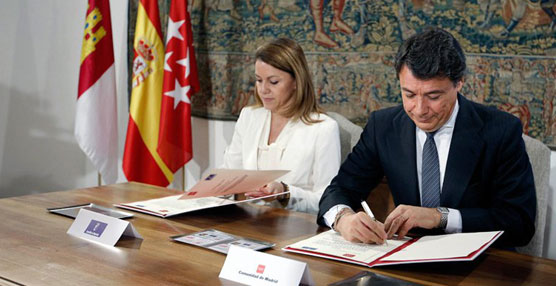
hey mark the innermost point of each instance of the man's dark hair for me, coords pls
(430, 54)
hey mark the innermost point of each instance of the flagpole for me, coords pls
(183, 177)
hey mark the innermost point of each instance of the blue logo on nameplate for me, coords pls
(95, 228)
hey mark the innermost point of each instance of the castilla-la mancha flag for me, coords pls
(141, 162)
(96, 121)
(180, 83)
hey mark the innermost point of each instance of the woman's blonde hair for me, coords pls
(286, 55)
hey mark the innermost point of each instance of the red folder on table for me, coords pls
(431, 248)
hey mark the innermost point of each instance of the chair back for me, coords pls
(539, 156)
(349, 133)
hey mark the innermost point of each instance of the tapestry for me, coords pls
(350, 46)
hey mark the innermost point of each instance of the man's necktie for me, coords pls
(430, 174)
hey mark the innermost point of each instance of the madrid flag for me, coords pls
(141, 162)
(180, 83)
(96, 121)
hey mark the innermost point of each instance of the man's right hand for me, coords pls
(359, 227)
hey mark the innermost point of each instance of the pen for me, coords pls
(368, 210)
(370, 214)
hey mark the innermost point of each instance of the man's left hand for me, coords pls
(403, 218)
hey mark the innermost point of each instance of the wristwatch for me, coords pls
(284, 199)
(444, 218)
(339, 215)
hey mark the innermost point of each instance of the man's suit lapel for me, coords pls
(465, 150)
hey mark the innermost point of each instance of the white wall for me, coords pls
(38, 87)
(41, 45)
(210, 138)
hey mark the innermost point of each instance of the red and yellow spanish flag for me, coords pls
(96, 120)
(141, 162)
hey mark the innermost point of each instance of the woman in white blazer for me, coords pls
(286, 130)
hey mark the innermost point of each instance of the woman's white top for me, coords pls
(310, 152)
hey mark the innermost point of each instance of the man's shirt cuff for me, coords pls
(454, 224)
(330, 215)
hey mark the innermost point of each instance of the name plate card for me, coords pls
(251, 267)
(101, 228)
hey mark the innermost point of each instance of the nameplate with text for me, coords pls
(101, 228)
(251, 267)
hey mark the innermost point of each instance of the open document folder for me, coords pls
(219, 182)
(431, 248)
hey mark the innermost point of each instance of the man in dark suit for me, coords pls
(452, 165)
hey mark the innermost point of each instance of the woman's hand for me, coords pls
(268, 189)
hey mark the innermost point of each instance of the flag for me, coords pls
(96, 123)
(141, 162)
(180, 83)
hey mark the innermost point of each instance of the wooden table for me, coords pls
(35, 249)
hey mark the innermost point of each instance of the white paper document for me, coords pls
(432, 248)
(173, 205)
(331, 243)
(220, 182)
(443, 246)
